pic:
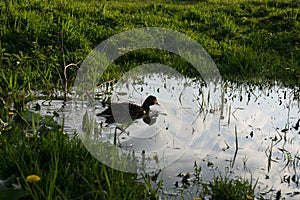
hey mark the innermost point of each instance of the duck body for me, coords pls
(124, 112)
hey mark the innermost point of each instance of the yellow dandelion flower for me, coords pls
(33, 178)
(197, 198)
(11, 113)
(249, 197)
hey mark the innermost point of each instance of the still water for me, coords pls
(226, 128)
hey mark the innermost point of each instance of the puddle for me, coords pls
(199, 123)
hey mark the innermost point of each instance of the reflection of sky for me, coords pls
(180, 118)
(183, 133)
(204, 135)
(266, 113)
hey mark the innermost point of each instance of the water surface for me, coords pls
(200, 123)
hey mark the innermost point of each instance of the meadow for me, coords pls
(43, 44)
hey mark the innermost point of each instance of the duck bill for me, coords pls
(156, 103)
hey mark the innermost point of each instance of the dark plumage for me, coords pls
(124, 112)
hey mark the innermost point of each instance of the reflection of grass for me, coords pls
(236, 148)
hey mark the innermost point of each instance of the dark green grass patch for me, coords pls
(67, 170)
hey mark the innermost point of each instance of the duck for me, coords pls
(125, 112)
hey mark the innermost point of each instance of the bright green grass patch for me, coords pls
(32, 34)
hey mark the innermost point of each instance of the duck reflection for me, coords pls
(128, 112)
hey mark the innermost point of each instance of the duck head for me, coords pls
(149, 101)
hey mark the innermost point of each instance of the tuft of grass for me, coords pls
(225, 188)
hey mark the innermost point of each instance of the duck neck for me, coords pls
(146, 107)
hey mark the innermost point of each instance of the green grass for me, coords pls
(66, 168)
(68, 171)
(251, 42)
(223, 186)
(246, 39)
(226, 188)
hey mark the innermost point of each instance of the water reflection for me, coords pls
(200, 123)
(184, 106)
